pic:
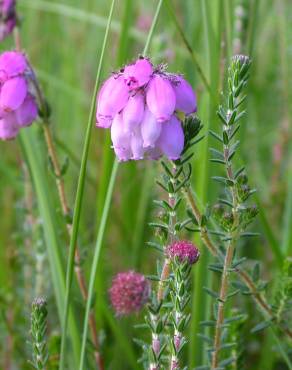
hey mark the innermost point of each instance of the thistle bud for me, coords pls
(183, 251)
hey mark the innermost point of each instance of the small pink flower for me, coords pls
(150, 129)
(138, 74)
(12, 64)
(112, 98)
(160, 98)
(13, 93)
(8, 129)
(129, 292)
(139, 103)
(18, 107)
(133, 112)
(183, 250)
(8, 18)
(137, 145)
(171, 140)
(186, 100)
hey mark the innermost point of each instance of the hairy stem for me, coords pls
(172, 198)
(222, 299)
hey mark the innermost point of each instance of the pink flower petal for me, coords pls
(120, 138)
(133, 112)
(171, 140)
(12, 94)
(112, 98)
(186, 100)
(8, 130)
(160, 98)
(27, 112)
(123, 154)
(12, 64)
(137, 146)
(150, 129)
(138, 74)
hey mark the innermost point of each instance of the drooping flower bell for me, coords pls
(18, 107)
(8, 18)
(140, 104)
(129, 292)
(184, 251)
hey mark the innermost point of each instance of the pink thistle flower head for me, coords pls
(18, 107)
(183, 251)
(129, 292)
(140, 105)
(8, 18)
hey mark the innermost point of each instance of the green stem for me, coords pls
(79, 197)
(93, 271)
(105, 215)
(152, 28)
(282, 350)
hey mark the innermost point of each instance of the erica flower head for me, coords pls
(129, 292)
(18, 107)
(183, 251)
(139, 104)
(8, 17)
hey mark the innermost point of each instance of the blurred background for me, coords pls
(63, 40)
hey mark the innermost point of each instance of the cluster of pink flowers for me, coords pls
(129, 292)
(18, 107)
(140, 104)
(183, 250)
(8, 17)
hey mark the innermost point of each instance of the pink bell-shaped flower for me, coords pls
(137, 145)
(186, 100)
(8, 18)
(111, 99)
(150, 129)
(160, 98)
(13, 93)
(8, 129)
(18, 107)
(171, 140)
(12, 64)
(133, 112)
(138, 74)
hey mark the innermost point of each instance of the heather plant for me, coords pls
(161, 238)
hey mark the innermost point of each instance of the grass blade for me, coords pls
(79, 196)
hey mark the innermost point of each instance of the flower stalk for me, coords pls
(237, 79)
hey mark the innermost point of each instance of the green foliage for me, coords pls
(38, 334)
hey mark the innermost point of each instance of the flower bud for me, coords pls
(183, 251)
